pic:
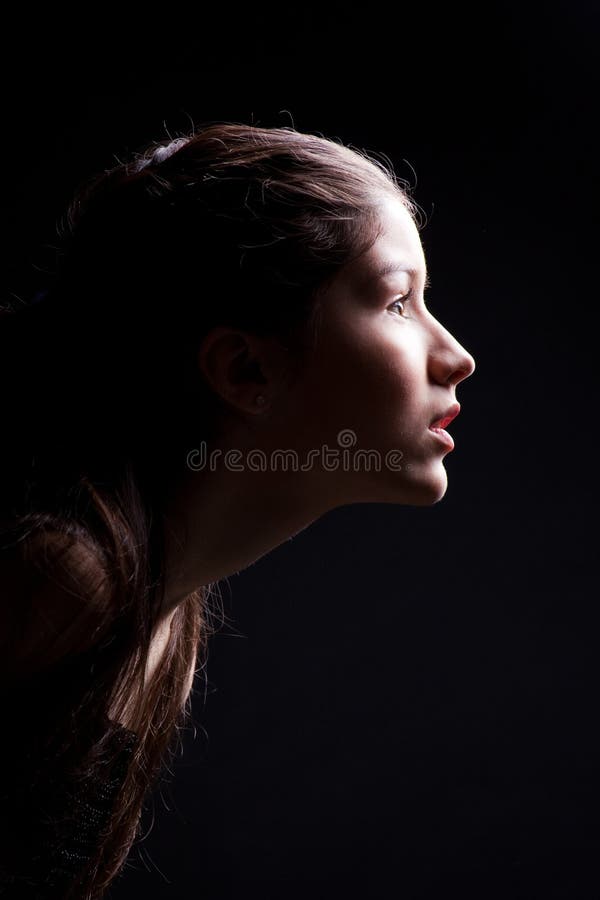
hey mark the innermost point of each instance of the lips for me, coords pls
(447, 417)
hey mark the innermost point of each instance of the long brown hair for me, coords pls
(231, 224)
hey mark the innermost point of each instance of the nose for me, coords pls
(449, 362)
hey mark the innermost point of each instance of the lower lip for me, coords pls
(443, 436)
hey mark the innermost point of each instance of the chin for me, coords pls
(434, 489)
(408, 491)
(414, 486)
(426, 491)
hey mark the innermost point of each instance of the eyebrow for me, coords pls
(391, 267)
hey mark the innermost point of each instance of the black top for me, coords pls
(50, 832)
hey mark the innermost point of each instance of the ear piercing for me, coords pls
(260, 399)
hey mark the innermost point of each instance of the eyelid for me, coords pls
(403, 298)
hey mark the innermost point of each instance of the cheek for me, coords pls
(370, 388)
(362, 373)
(384, 371)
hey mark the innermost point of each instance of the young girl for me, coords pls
(235, 341)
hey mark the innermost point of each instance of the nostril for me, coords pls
(461, 373)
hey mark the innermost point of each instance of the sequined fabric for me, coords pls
(52, 830)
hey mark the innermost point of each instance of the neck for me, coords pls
(220, 521)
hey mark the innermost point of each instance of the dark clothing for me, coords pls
(49, 831)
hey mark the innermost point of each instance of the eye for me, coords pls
(402, 301)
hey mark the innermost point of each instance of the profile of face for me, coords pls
(356, 412)
(383, 371)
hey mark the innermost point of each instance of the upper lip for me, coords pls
(446, 417)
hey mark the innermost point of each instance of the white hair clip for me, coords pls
(162, 153)
(159, 154)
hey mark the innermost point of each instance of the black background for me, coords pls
(402, 702)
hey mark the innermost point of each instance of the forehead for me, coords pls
(397, 250)
(397, 247)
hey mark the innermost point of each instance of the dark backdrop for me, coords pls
(402, 701)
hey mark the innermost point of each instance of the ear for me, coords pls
(240, 367)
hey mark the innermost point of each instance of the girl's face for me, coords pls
(383, 370)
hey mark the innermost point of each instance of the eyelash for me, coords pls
(406, 298)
